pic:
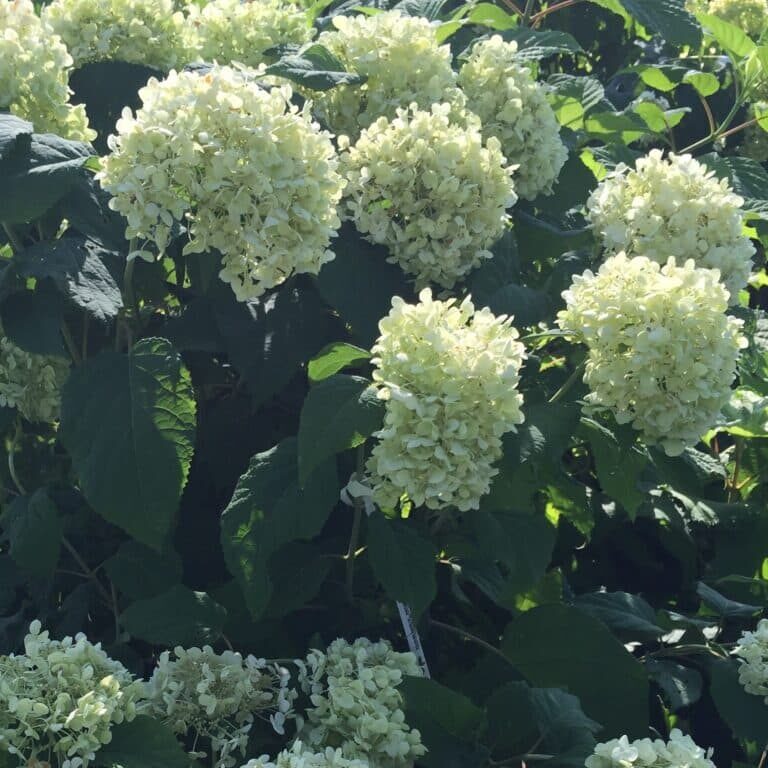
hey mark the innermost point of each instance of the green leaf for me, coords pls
(426, 9)
(545, 240)
(724, 606)
(615, 126)
(619, 463)
(298, 571)
(747, 177)
(745, 713)
(14, 133)
(731, 38)
(268, 509)
(511, 724)
(32, 320)
(36, 171)
(669, 18)
(338, 414)
(106, 88)
(33, 529)
(360, 284)
(128, 422)
(572, 97)
(176, 617)
(490, 15)
(314, 67)
(559, 646)
(452, 711)
(682, 686)
(144, 742)
(628, 616)
(403, 561)
(77, 267)
(334, 358)
(139, 572)
(535, 44)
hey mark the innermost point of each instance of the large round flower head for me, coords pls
(246, 172)
(34, 73)
(448, 375)
(752, 651)
(229, 31)
(62, 698)
(148, 32)
(513, 107)
(674, 207)
(751, 16)
(662, 351)
(217, 697)
(299, 756)
(356, 704)
(680, 751)
(31, 383)
(402, 62)
(430, 191)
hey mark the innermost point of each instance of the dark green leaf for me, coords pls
(558, 646)
(139, 572)
(334, 358)
(669, 18)
(145, 742)
(314, 67)
(537, 44)
(298, 571)
(629, 616)
(681, 685)
(511, 724)
(403, 561)
(745, 713)
(32, 320)
(176, 617)
(128, 422)
(453, 712)
(33, 529)
(338, 413)
(268, 509)
(723, 606)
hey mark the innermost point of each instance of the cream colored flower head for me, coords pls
(430, 191)
(513, 108)
(752, 652)
(662, 351)
(301, 756)
(61, 698)
(246, 172)
(31, 383)
(751, 16)
(227, 31)
(34, 73)
(402, 62)
(676, 207)
(680, 751)
(448, 375)
(215, 697)
(357, 706)
(148, 32)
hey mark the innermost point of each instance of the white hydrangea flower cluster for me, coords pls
(751, 16)
(31, 383)
(752, 650)
(449, 376)
(34, 73)
(62, 698)
(402, 62)
(513, 107)
(674, 207)
(245, 171)
(217, 696)
(148, 32)
(227, 31)
(430, 191)
(662, 351)
(356, 706)
(680, 751)
(298, 756)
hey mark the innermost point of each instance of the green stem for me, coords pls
(13, 238)
(354, 537)
(70, 343)
(129, 297)
(569, 382)
(11, 460)
(528, 12)
(720, 132)
(87, 571)
(469, 636)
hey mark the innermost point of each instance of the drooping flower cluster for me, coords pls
(749, 15)
(674, 207)
(298, 756)
(218, 696)
(430, 191)
(31, 383)
(513, 107)
(34, 73)
(245, 172)
(680, 751)
(448, 375)
(402, 62)
(227, 31)
(356, 705)
(148, 32)
(62, 698)
(752, 650)
(662, 351)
